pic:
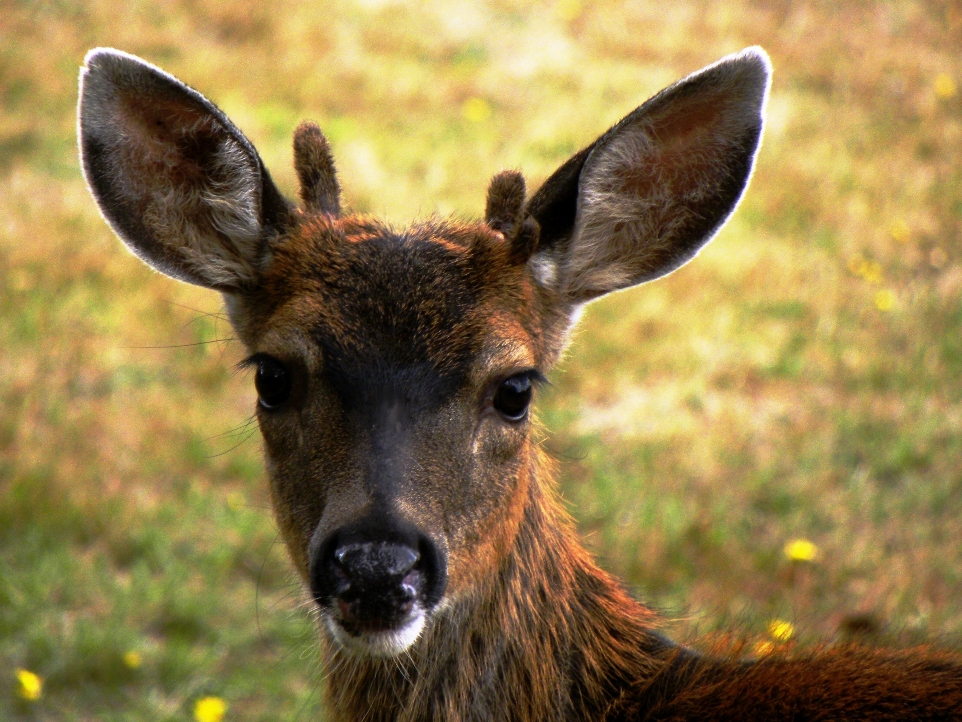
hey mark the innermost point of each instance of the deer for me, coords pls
(395, 371)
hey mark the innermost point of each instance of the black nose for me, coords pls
(372, 578)
(374, 562)
(376, 583)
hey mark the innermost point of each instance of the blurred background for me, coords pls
(767, 441)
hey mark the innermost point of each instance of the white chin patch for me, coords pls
(378, 644)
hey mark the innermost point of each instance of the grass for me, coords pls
(801, 379)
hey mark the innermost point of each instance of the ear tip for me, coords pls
(105, 73)
(95, 55)
(746, 74)
(756, 54)
(752, 63)
(111, 70)
(110, 60)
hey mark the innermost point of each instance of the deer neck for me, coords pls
(550, 636)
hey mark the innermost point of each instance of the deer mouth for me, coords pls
(380, 639)
(376, 591)
(380, 617)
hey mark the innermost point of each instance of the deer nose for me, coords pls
(374, 559)
(375, 584)
(377, 570)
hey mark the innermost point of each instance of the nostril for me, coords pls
(342, 582)
(411, 584)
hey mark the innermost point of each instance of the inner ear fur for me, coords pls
(178, 182)
(645, 197)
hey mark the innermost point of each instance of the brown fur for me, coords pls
(504, 212)
(314, 166)
(396, 344)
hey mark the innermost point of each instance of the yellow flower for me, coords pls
(900, 230)
(884, 300)
(31, 686)
(210, 709)
(945, 86)
(800, 550)
(781, 630)
(871, 271)
(476, 109)
(133, 660)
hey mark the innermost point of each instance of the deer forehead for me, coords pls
(433, 307)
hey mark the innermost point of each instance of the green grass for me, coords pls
(802, 378)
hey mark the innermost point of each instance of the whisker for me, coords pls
(218, 315)
(257, 586)
(179, 345)
(235, 446)
(237, 429)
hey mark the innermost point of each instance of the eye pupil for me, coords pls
(272, 382)
(513, 397)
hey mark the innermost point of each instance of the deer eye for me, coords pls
(273, 383)
(513, 397)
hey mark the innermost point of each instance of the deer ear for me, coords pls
(645, 197)
(177, 181)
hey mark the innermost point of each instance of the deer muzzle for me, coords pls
(375, 583)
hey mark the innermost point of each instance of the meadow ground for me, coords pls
(801, 380)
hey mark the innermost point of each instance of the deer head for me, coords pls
(395, 368)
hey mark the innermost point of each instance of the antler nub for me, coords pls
(314, 164)
(504, 212)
